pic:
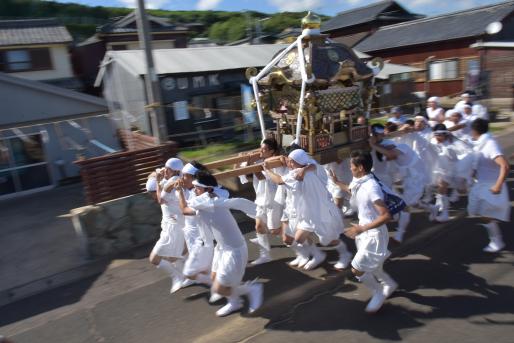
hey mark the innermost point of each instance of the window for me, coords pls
(12, 61)
(23, 164)
(18, 60)
(443, 70)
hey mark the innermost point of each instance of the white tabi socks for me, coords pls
(444, 207)
(264, 249)
(403, 222)
(388, 284)
(302, 255)
(344, 256)
(378, 297)
(318, 256)
(177, 278)
(495, 236)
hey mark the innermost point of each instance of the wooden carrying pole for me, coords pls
(231, 160)
(273, 162)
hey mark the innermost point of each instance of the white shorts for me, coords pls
(413, 186)
(171, 242)
(481, 202)
(199, 259)
(270, 215)
(371, 249)
(229, 264)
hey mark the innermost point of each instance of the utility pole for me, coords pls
(153, 91)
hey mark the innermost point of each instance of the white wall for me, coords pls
(61, 64)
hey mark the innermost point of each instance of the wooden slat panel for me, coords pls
(120, 174)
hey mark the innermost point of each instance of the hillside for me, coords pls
(81, 20)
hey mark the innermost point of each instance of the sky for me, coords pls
(327, 7)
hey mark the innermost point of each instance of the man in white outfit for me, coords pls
(489, 196)
(167, 254)
(371, 236)
(231, 253)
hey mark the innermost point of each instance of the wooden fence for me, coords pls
(123, 173)
(131, 140)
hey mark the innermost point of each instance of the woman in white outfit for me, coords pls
(371, 236)
(315, 211)
(489, 197)
(231, 253)
(167, 254)
(435, 113)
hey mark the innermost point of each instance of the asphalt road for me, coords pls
(449, 291)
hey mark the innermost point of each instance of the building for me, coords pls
(352, 26)
(37, 49)
(449, 48)
(200, 87)
(43, 130)
(121, 34)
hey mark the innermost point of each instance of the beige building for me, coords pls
(37, 49)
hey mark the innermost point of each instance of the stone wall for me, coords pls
(117, 225)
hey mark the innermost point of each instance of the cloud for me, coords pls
(151, 4)
(297, 5)
(205, 5)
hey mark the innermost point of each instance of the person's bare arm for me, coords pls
(383, 217)
(187, 211)
(272, 175)
(390, 154)
(504, 171)
(343, 186)
(301, 173)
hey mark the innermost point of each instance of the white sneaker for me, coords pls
(188, 282)
(255, 297)
(376, 302)
(215, 297)
(343, 262)
(229, 308)
(389, 288)
(176, 284)
(315, 261)
(495, 245)
(296, 261)
(303, 261)
(261, 259)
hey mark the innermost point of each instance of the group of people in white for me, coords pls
(425, 163)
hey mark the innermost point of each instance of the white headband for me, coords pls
(301, 157)
(421, 118)
(189, 169)
(433, 99)
(198, 184)
(174, 164)
(441, 132)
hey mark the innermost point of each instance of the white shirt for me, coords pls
(434, 115)
(170, 206)
(480, 111)
(365, 196)
(215, 214)
(486, 169)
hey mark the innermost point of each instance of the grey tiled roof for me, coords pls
(362, 15)
(124, 24)
(33, 31)
(456, 25)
